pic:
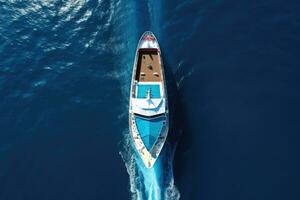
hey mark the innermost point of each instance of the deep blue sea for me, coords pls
(234, 82)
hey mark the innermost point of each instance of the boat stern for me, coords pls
(148, 41)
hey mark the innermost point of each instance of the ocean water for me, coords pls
(233, 81)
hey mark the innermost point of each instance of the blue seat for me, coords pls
(149, 129)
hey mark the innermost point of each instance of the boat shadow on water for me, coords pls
(179, 136)
(175, 134)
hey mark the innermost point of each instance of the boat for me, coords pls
(148, 103)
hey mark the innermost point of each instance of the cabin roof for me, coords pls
(149, 66)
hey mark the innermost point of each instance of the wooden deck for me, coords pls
(148, 67)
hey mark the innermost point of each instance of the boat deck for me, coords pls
(148, 66)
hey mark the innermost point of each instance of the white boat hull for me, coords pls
(148, 104)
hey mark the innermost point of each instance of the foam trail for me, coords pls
(156, 183)
(154, 9)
